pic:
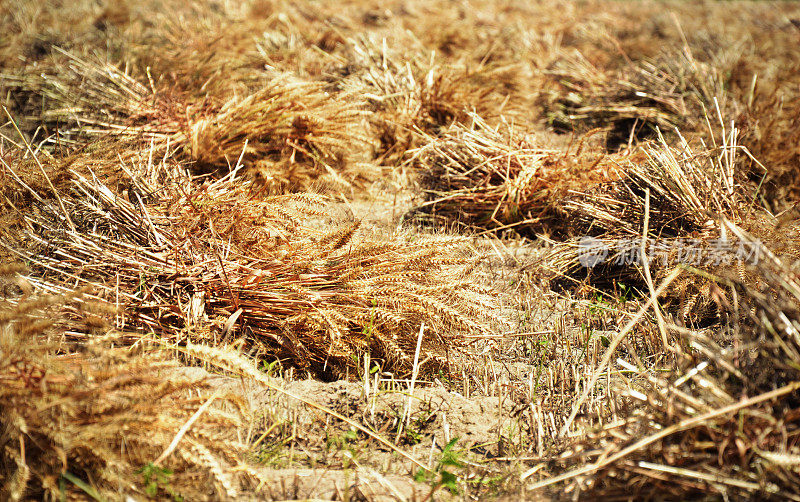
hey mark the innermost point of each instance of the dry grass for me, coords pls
(671, 91)
(722, 422)
(770, 129)
(312, 294)
(414, 97)
(204, 167)
(94, 421)
(496, 178)
(729, 392)
(289, 133)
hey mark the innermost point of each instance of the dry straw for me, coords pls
(210, 262)
(719, 424)
(696, 400)
(732, 330)
(89, 423)
(497, 179)
(289, 131)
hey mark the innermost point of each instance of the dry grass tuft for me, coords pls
(494, 178)
(92, 421)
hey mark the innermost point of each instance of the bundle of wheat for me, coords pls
(668, 92)
(771, 131)
(674, 201)
(413, 95)
(210, 261)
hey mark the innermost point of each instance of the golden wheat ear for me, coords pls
(317, 295)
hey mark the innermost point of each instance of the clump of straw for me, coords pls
(213, 262)
(495, 179)
(100, 421)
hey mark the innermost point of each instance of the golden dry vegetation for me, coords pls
(337, 250)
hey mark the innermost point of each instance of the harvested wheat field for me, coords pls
(403, 250)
